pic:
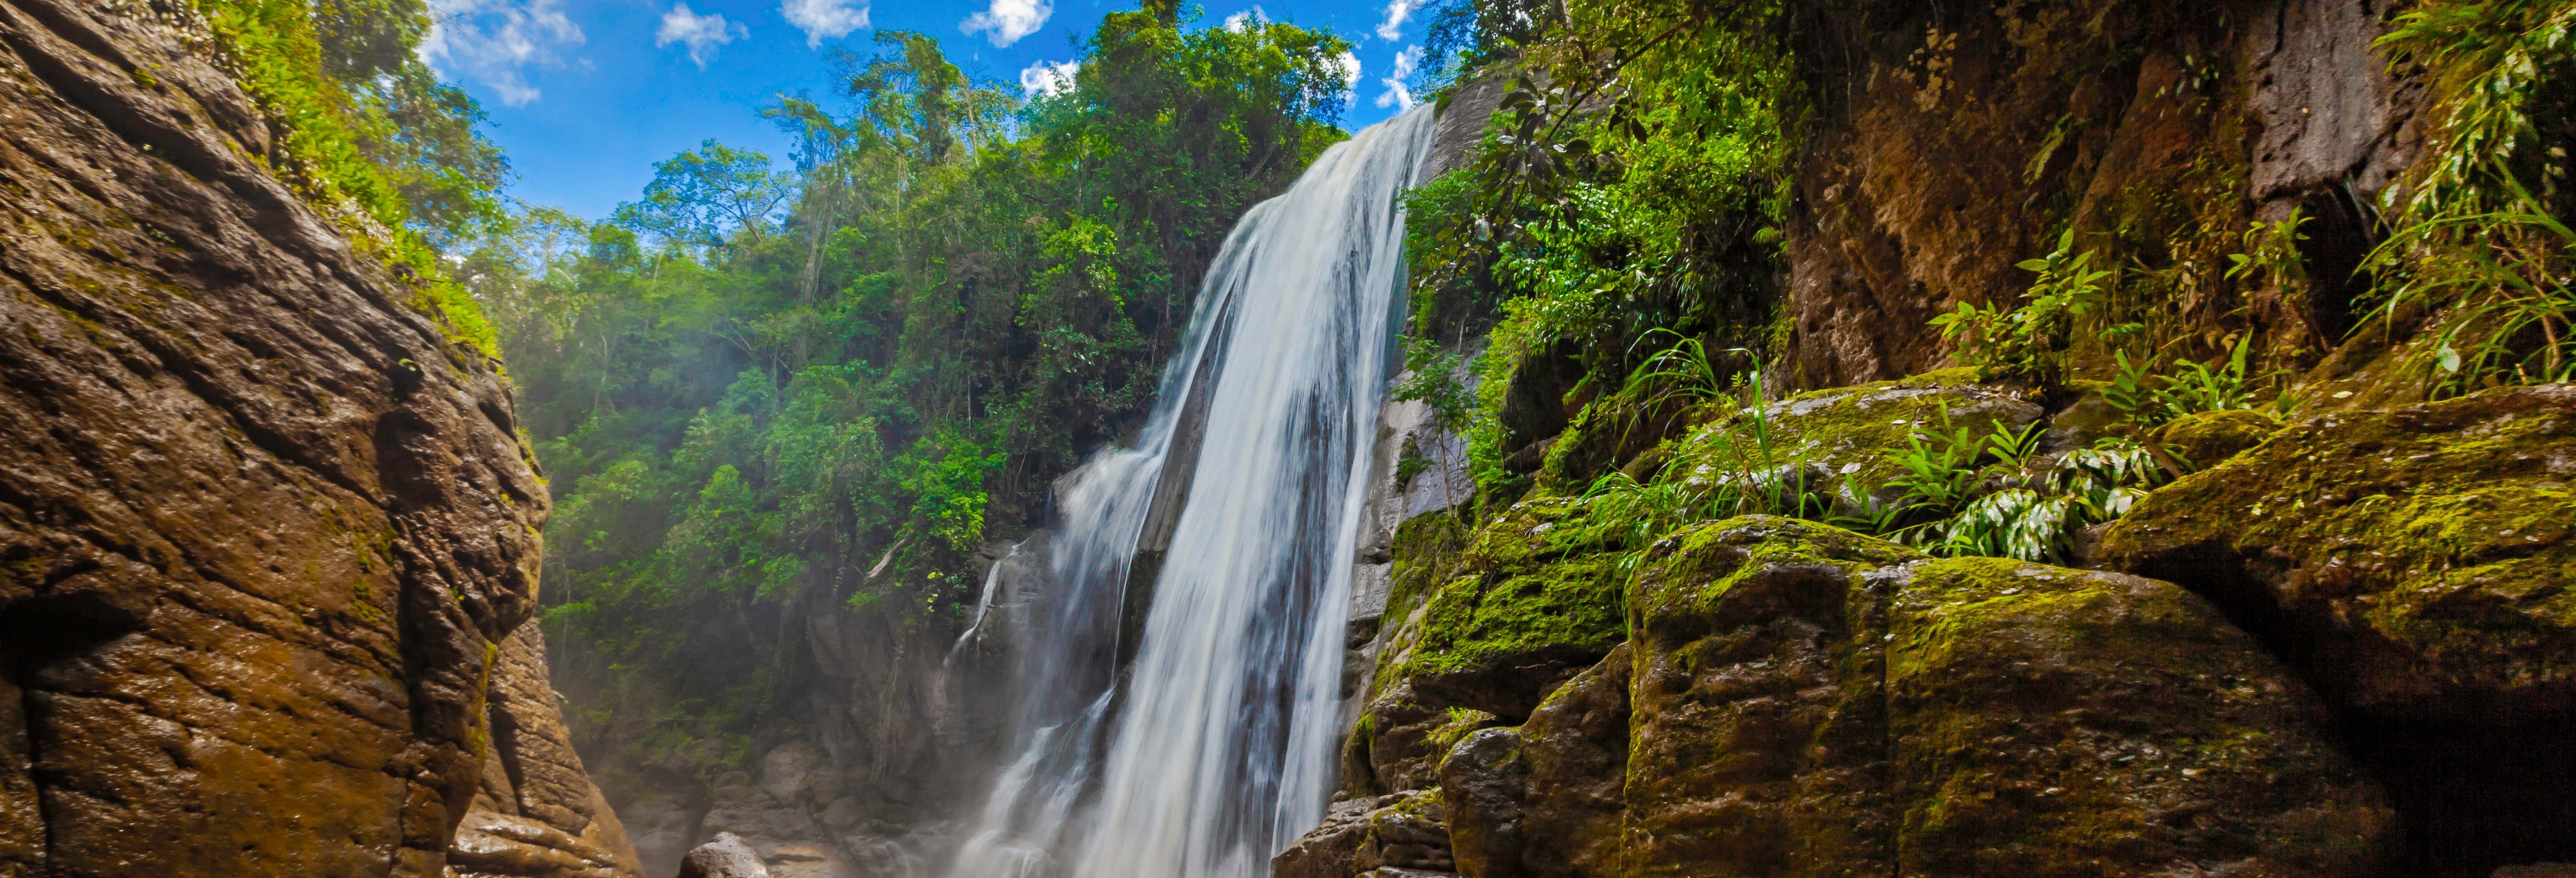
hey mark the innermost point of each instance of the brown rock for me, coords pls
(1575, 749)
(1807, 701)
(265, 524)
(1483, 782)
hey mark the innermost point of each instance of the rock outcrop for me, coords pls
(2414, 564)
(270, 534)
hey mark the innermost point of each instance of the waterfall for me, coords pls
(1198, 743)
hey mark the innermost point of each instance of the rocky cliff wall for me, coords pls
(271, 536)
(1953, 139)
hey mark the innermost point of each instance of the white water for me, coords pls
(1214, 749)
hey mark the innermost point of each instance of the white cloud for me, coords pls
(1245, 20)
(1350, 75)
(494, 42)
(1397, 12)
(1397, 95)
(701, 33)
(825, 19)
(1048, 78)
(1009, 20)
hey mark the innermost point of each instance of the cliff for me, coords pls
(271, 534)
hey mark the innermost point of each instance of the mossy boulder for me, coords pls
(1809, 701)
(1837, 442)
(2206, 439)
(2415, 562)
(1533, 598)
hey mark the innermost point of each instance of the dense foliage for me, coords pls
(825, 384)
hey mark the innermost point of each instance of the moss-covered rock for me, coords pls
(2414, 562)
(2053, 722)
(2206, 439)
(1807, 701)
(1533, 599)
(1837, 441)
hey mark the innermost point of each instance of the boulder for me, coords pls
(2207, 439)
(728, 856)
(2415, 562)
(1808, 701)
(1399, 832)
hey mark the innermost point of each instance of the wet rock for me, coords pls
(728, 856)
(1809, 701)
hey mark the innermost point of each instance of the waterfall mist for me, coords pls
(1195, 740)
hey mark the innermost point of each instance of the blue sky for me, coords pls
(587, 94)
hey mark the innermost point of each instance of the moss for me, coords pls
(1859, 708)
(1847, 432)
(2062, 710)
(2435, 534)
(2205, 439)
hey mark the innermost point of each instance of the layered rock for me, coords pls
(269, 529)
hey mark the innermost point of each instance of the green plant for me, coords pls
(2149, 399)
(2029, 342)
(2476, 255)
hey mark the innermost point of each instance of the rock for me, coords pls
(1839, 440)
(2415, 561)
(728, 856)
(1399, 832)
(1483, 782)
(267, 526)
(1536, 603)
(2414, 564)
(1328, 850)
(1810, 701)
(2207, 439)
(1406, 831)
(1575, 751)
(537, 814)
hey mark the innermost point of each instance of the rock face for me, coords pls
(2413, 563)
(1906, 206)
(270, 535)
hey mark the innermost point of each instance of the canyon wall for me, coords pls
(271, 534)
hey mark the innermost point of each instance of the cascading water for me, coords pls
(1213, 749)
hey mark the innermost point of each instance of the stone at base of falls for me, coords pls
(1404, 833)
(726, 857)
